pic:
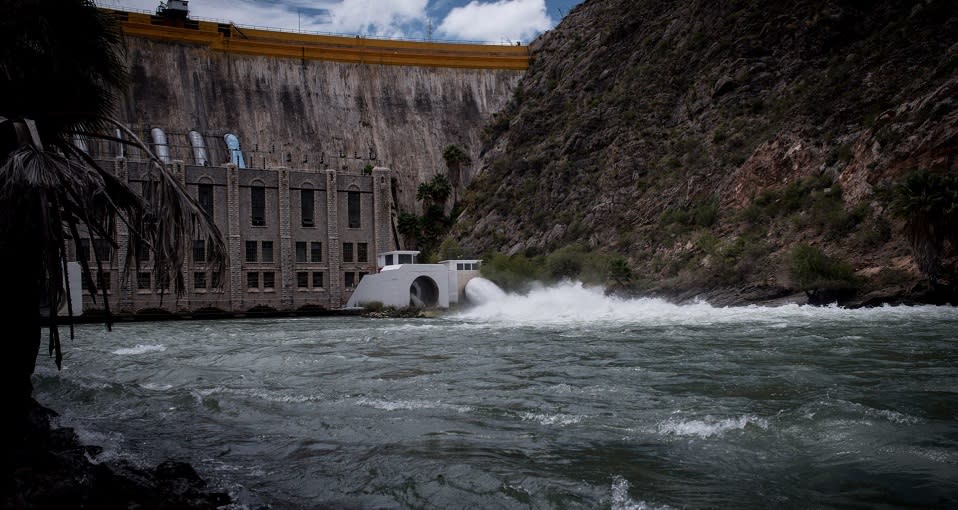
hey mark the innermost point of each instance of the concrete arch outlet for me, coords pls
(424, 292)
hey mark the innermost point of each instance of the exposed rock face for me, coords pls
(308, 108)
(634, 108)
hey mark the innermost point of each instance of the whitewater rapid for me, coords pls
(558, 397)
(574, 303)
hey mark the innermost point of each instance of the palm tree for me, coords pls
(455, 158)
(61, 67)
(928, 202)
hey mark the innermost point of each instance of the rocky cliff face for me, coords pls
(704, 140)
(293, 112)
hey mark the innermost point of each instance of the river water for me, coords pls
(562, 398)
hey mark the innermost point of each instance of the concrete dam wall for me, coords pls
(309, 112)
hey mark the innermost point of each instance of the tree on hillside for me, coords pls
(928, 202)
(433, 225)
(456, 159)
(61, 66)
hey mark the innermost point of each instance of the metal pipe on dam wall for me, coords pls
(313, 113)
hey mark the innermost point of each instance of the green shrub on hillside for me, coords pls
(812, 270)
(512, 273)
(574, 262)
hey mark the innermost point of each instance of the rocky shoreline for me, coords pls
(920, 293)
(47, 467)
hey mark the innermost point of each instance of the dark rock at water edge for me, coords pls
(46, 467)
(922, 293)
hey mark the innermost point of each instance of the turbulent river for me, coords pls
(562, 398)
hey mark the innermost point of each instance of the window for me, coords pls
(300, 251)
(405, 259)
(142, 250)
(347, 252)
(199, 251)
(144, 280)
(216, 280)
(362, 252)
(103, 249)
(250, 251)
(103, 281)
(83, 250)
(460, 267)
(389, 260)
(267, 251)
(204, 193)
(302, 280)
(258, 205)
(199, 280)
(350, 280)
(163, 282)
(252, 280)
(361, 275)
(269, 279)
(352, 208)
(317, 280)
(316, 252)
(306, 207)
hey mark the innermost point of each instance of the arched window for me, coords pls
(204, 195)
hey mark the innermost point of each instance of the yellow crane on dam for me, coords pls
(172, 23)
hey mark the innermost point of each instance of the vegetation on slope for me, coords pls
(705, 141)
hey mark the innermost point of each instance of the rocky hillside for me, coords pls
(706, 141)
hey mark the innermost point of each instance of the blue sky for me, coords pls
(470, 20)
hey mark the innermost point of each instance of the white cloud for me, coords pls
(496, 21)
(376, 17)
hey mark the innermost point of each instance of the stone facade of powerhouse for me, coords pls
(283, 226)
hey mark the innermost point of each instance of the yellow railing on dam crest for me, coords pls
(361, 50)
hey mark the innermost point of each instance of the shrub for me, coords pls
(449, 249)
(512, 273)
(619, 271)
(811, 270)
(374, 306)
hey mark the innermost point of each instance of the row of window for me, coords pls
(101, 247)
(307, 207)
(352, 278)
(265, 251)
(362, 252)
(256, 251)
(266, 280)
(255, 280)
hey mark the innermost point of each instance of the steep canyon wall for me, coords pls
(308, 113)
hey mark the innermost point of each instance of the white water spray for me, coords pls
(480, 291)
(573, 303)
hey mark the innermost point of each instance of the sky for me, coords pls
(497, 21)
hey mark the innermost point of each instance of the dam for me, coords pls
(304, 148)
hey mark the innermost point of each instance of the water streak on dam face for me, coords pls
(291, 112)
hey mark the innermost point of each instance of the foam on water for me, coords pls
(709, 426)
(622, 501)
(406, 405)
(572, 303)
(140, 349)
(551, 419)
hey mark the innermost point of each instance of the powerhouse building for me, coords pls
(297, 239)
